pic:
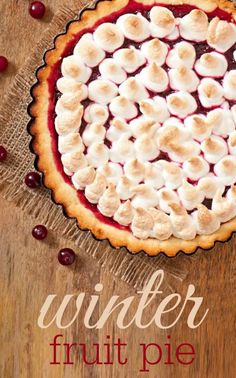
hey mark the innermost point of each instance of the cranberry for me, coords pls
(39, 232)
(66, 256)
(3, 153)
(3, 63)
(33, 180)
(37, 9)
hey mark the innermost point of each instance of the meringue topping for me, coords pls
(124, 188)
(133, 90)
(95, 190)
(155, 51)
(232, 143)
(88, 51)
(154, 78)
(97, 154)
(206, 220)
(181, 104)
(162, 22)
(141, 125)
(167, 196)
(223, 207)
(134, 170)
(124, 214)
(196, 167)
(96, 113)
(67, 85)
(70, 143)
(229, 85)
(190, 195)
(134, 26)
(109, 202)
(121, 106)
(102, 91)
(209, 185)
(122, 150)
(146, 148)
(221, 121)
(182, 54)
(172, 174)
(210, 93)
(67, 122)
(111, 70)
(144, 196)
(214, 149)
(94, 132)
(117, 129)
(225, 169)
(199, 127)
(183, 225)
(194, 26)
(142, 224)
(73, 67)
(162, 228)
(221, 34)
(183, 79)
(129, 58)
(108, 36)
(112, 172)
(83, 177)
(153, 175)
(155, 109)
(212, 64)
(73, 161)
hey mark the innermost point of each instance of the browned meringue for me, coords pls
(124, 214)
(66, 122)
(109, 201)
(183, 225)
(196, 167)
(121, 106)
(117, 129)
(134, 26)
(162, 22)
(134, 170)
(194, 25)
(140, 126)
(133, 89)
(95, 190)
(206, 220)
(223, 207)
(83, 177)
(87, 50)
(73, 161)
(155, 51)
(69, 101)
(124, 188)
(108, 36)
(221, 34)
(162, 228)
(142, 224)
(190, 195)
(70, 143)
(144, 196)
(199, 126)
(146, 148)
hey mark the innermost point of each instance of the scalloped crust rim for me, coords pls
(63, 193)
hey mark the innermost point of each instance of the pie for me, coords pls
(134, 123)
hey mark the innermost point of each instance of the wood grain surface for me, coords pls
(29, 271)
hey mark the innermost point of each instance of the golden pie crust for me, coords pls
(65, 194)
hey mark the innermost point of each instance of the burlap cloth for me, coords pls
(133, 269)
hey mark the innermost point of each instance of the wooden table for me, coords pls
(29, 272)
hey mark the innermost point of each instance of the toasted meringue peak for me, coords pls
(83, 177)
(194, 26)
(182, 223)
(221, 35)
(94, 132)
(73, 67)
(141, 125)
(214, 149)
(209, 185)
(172, 174)
(167, 196)
(162, 22)
(182, 152)
(162, 228)
(66, 122)
(232, 143)
(211, 64)
(96, 113)
(72, 161)
(190, 195)
(146, 148)
(111, 70)
(134, 170)
(117, 129)
(210, 93)
(223, 207)
(134, 26)
(112, 172)
(231, 193)
(71, 87)
(172, 132)
(183, 79)
(154, 109)
(142, 224)
(98, 154)
(109, 201)
(70, 143)
(181, 104)
(195, 168)
(144, 196)
(206, 220)
(155, 51)
(182, 54)
(153, 176)
(108, 36)
(129, 58)
(154, 78)
(95, 190)
(125, 213)
(122, 150)
(233, 113)
(133, 90)
(225, 169)
(68, 102)
(222, 121)
(88, 51)
(199, 127)
(124, 188)
(102, 91)
(123, 107)
(229, 85)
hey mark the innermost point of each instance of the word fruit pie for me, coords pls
(134, 123)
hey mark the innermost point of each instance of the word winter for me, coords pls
(174, 303)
